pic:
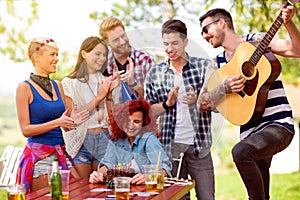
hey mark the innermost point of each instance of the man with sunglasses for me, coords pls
(274, 130)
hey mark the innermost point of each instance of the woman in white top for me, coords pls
(88, 88)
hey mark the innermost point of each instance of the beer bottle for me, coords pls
(55, 179)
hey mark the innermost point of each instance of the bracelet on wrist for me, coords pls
(109, 99)
(165, 106)
(133, 84)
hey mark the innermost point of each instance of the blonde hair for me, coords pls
(108, 24)
(37, 44)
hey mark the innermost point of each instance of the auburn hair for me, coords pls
(120, 115)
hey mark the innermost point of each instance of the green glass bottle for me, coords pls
(55, 179)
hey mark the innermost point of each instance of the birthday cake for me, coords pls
(119, 171)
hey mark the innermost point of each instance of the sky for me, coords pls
(68, 23)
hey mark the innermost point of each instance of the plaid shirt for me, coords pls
(160, 80)
(142, 63)
(34, 152)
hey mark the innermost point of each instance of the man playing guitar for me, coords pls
(270, 132)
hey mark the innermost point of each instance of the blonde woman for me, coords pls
(42, 113)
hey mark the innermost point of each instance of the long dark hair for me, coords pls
(80, 70)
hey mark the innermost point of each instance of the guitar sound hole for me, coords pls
(248, 70)
(250, 87)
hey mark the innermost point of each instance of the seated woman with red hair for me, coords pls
(133, 140)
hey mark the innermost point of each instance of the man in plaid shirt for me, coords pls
(172, 88)
(133, 62)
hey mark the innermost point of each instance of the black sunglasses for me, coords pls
(204, 28)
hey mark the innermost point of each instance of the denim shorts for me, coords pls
(93, 148)
(41, 166)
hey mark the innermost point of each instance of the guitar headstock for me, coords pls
(292, 2)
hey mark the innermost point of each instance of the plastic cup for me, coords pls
(16, 191)
(160, 178)
(151, 174)
(65, 180)
(122, 188)
(49, 170)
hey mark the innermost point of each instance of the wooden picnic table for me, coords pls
(81, 189)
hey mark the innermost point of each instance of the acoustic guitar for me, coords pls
(259, 67)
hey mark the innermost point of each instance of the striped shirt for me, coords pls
(142, 63)
(159, 81)
(277, 111)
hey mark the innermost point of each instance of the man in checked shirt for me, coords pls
(172, 88)
(133, 64)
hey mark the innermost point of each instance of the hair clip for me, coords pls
(43, 44)
(50, 40)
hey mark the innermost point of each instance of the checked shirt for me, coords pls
(142, 63)
(160, 80)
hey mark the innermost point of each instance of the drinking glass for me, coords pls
(65, 180)
(16, 192)
(151, 174)
(160, 178)
(122, 188)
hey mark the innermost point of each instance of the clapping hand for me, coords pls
(172, 96)
(66, 122)
(115, 78)
(191, 97)
(104, 86)
(128, 77)
(79, 116)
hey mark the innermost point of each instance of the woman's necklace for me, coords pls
(44, 83)
(97, 87)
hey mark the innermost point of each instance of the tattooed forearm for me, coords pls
(208, 100)
(204, 102)
(226, 87)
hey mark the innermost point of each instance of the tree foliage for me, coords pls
(249, 16)
(13, 38)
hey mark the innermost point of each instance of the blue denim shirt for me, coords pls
(144, 150)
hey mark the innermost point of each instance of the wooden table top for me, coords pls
(82, 189)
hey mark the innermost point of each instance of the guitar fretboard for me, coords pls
(262, 47)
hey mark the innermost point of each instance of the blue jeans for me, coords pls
(253, 155)
(201, 170)
(93, 148)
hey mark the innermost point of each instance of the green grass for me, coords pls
(229, 186)
(285, 186)
(3, 195)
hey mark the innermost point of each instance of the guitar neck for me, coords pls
(263, 45)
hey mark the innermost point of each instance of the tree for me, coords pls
(13, 38)
(249, 16)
